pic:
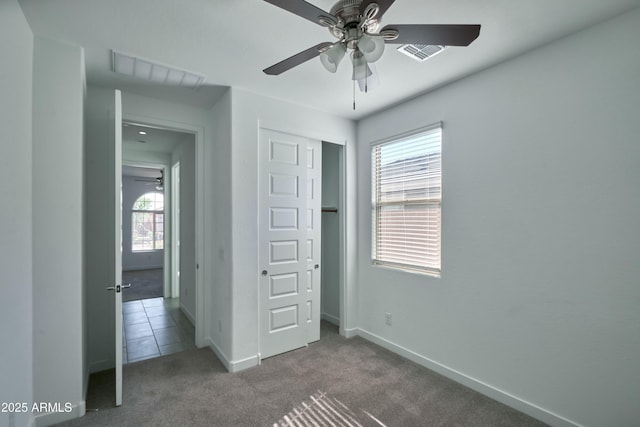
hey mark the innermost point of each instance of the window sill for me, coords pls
(433, 274)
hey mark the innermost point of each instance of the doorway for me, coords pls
(292, 252)
(143, 243)
(158, 313)
(332, 214)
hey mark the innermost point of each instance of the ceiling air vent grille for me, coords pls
(421, 52)
(133, 66)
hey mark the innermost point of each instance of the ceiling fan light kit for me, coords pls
(361, 69)
(371, 81)
(371, 47)
(356, 23)
(331, 57)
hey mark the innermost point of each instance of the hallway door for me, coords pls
(118, 286)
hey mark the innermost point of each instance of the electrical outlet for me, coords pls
(387, 319)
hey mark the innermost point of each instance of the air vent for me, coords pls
(142, 68)
(421, 52)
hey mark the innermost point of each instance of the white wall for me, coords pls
(58, 105)
(185, 153)
(16, 285)
(539, 292)
(131, 191)
(248, 112)
(219, 203)
(330, 265)
(143, 158)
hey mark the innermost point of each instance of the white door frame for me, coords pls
(198, 132)
(342, 221)
(342, 215)
(175, 229)
(117, 286)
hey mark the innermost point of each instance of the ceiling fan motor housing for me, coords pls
(349, 27)
(347, 10)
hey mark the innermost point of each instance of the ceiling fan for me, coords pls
(355, 23)
(159, 181)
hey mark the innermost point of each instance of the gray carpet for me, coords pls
(357, 378)
(144, 284)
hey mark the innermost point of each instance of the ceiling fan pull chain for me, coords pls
(354, 94)
(366, 83)
(354, 87)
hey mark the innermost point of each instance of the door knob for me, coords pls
(128, 285)
(264, 272)
(317, 266)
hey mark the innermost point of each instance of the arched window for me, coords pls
(147, 223)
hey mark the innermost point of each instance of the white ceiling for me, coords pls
(154, 140)
(149, 174)
(232, 41)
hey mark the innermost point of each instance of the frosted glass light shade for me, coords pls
(360, 68)
(331, 58)
(372, 47)
(370, 82)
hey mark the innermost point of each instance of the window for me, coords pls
(147, 223)
(406, 208)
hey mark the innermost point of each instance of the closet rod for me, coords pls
(334, 210)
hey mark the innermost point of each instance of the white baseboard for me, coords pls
(101, 365)
(233, 365)
(188, 314)
(350, 333)
(219, 353)
(477, 385)
(242, 364)
(330, 318)
(141, 267)
(50, 418)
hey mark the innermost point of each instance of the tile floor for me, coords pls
(155, 327)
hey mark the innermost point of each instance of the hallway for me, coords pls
(155, 327)
(145, 284)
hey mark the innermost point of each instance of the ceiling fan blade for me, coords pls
(382, 4)
(296, 59)
(301, 8)
(448, 35)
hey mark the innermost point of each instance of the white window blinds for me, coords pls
(406, 192)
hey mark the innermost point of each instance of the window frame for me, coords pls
(376, 259)
(154, 221)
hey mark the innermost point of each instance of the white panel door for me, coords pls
(117, 143)
(287, 307)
